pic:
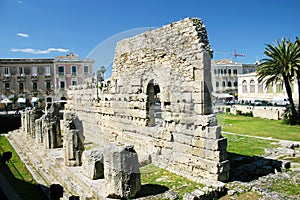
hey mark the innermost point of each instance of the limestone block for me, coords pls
(50, 135)
(189, 196)
(92, 163)
(121, 171)
(199, 108)
(213, 132)
(167, 116)
(211, 144)
(182, 148)
(73, 147)
(205, 120)
(186, 118)
(166, 135)
(208, 154)
(182, 138)
(39, 130)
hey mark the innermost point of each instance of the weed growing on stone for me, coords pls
(288, 187)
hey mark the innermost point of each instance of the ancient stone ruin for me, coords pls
(158, 100)
(155, 108)
(73, 139)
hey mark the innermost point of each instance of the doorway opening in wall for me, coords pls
(153, 105)
(63, 101)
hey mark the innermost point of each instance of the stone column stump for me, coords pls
(92, 163)
(121, 171)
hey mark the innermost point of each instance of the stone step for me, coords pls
(45, 168)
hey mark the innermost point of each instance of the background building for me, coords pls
(224, 75)
(70, 70)
(30, 80)
(249, 89)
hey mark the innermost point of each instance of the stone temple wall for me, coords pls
(159, 101)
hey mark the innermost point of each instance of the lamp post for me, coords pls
(99, 77)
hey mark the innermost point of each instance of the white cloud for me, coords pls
(22, 34)
(38, 51)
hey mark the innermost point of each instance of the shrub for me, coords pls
(238, 112)
(228, 110)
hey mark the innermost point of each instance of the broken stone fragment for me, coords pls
(121, 171)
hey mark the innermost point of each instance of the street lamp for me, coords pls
(99, 77)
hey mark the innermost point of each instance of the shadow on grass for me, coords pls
(26, 190)
(248, 168)
(151, 190)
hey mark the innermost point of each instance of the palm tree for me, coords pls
(298, 74)
(281, 65)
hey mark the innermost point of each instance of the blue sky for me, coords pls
(43, 28)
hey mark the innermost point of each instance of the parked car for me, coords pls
(280, 101)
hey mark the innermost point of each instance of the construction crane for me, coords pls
(234, 54)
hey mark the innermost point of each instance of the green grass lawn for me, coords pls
(247, 146)
(258, 127)
(17, 174)
(151, 174)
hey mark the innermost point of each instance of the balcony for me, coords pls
(34, 77)
(21, 77)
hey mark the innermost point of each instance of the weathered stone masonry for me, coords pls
(172, 62)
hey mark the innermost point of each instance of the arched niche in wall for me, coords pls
(153, 107)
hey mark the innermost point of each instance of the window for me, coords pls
(219, 71)
(229, 71)
(270, 89)
(224, 84)
(252, 86)
(279, 87)
(74, 70)
(61, 70)
(229, 84)
(235, 71)
(34, 86)
(244, 87)
(74, 82)
(21, 71)
(48, 85)
(260, 88)
(86, 69)
(34, 71)
(7, 87)
(62, 85)
(217, 84)
(6, 71)
(47, 71)
(21, 86)
(225, 71)
(235, 83)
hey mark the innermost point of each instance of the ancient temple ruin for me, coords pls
(159, 100)
(156, 108)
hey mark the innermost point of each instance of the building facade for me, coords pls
(70, 70)
(42, 78)
(225, 73)
(249, 89)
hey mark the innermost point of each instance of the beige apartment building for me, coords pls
(225, 74)
(249, 89)
(30, 79)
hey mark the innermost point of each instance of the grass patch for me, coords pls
(258, 127)
(243, 196)
(151, 174)
(247, 146)
(285, 186)
(17, 174)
